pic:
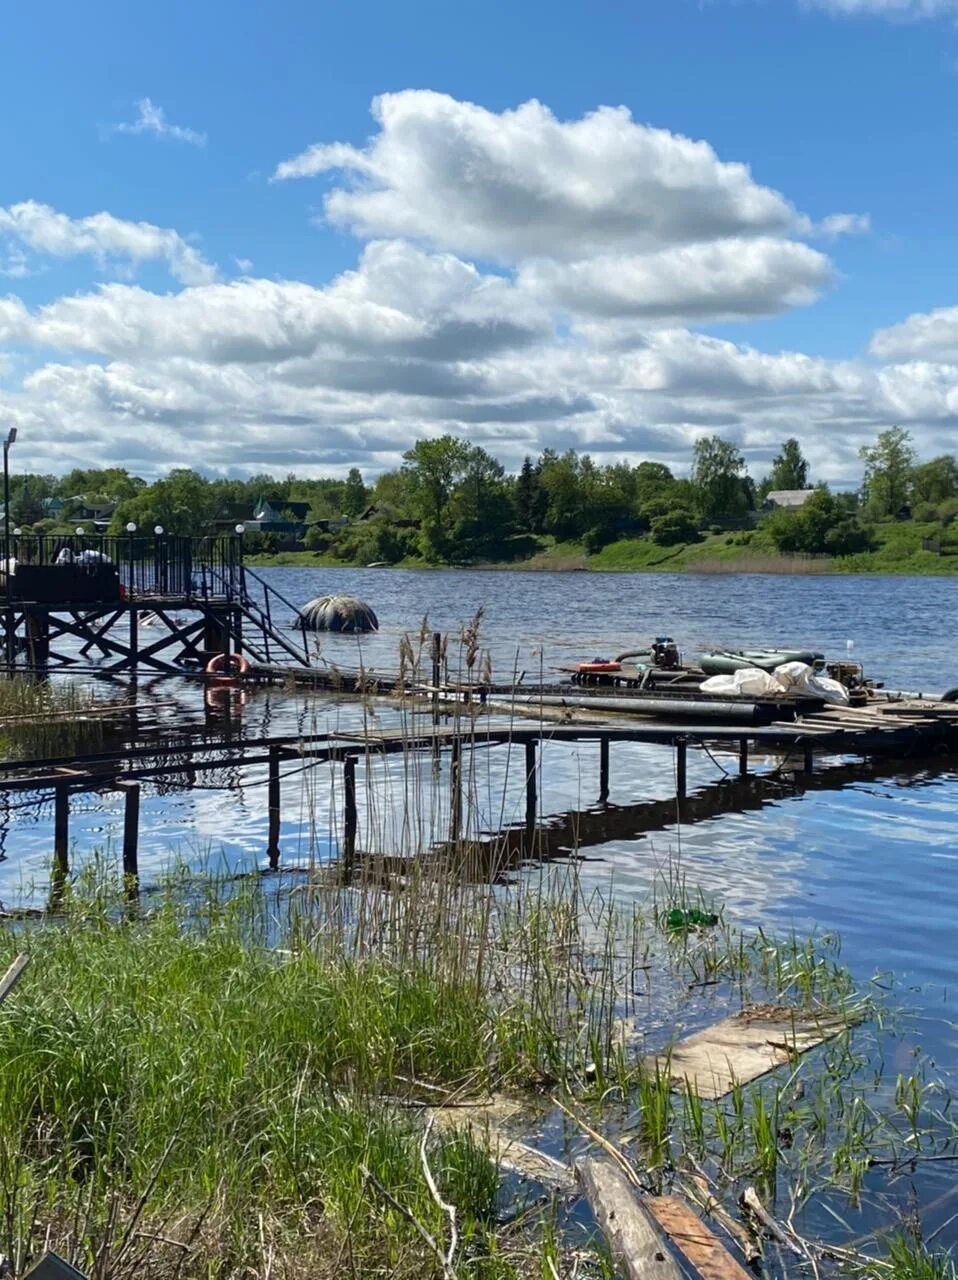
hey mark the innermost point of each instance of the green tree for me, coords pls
(433, 467)
(559, 479)
(889, 462)
(112, 484)
(355, 494)
(675, 526)
(789, 468)
(183, 502)
(935, 481)
(652, 480)
(530, 506)
(823, 526)
(718, 474)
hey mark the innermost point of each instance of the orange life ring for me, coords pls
(598, 668)
(236, 667)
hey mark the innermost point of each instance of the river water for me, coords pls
(875, 860)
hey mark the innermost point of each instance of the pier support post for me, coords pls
(273, 807)
(808, 763)
(531, 785)
(681, 767)
(436, 673)
(37, 627)
(743, 758)
(350, 815)
(455, 785)
(61, 831)
(131, 839)
(134, 635)
(603, 771)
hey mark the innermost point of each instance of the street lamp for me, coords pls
(131, 529)
(8, 620)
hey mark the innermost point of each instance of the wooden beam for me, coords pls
(637, 1247)
(694, 1240)
(13, 975)
(603, 770)
(743, 1047)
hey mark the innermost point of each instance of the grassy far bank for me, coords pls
(897, 549)
(235, 1084)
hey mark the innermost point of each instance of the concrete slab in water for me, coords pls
(744, 1047)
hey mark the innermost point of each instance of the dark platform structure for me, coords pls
(160, 602)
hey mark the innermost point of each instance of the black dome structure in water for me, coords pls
(338, 613)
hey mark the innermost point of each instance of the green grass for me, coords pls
(897, 550)
(176, 1077)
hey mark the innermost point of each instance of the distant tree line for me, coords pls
(453, 502)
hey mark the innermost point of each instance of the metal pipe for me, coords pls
(663, 708)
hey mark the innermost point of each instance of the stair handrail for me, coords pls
(269, 591)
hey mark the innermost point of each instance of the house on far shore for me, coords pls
(790, 499)
(286, 517)
(77, 508)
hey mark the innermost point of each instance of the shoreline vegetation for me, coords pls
(897, 550)
(453, 504)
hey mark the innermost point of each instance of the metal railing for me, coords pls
(146, 565)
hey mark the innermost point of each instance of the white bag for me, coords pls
(749, 682)
(798, 677)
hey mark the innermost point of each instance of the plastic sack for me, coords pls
(798, 677)
(749, 682)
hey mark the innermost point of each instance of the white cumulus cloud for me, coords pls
(522, 183)
(152, 119)
(929, 335)
(103, 237)
(888, 8)
(724, 280)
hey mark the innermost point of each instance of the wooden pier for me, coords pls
(159, 603)
(892, 730)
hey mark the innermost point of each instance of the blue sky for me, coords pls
(227, 337)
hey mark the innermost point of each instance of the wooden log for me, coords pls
(13, 975)
(638, 1249)
(694, 1240)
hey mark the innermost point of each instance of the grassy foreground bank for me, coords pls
(236, 1083)
(897, 549)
